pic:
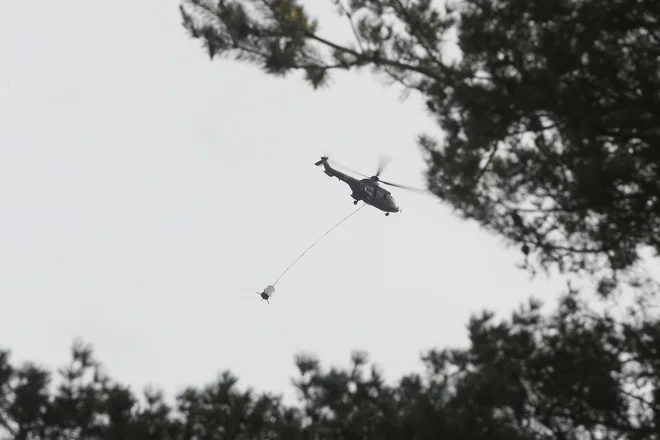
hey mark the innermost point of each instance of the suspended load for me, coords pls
(267, 293)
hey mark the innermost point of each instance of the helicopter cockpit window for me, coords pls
(390, 199)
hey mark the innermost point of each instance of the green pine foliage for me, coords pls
(568, 375)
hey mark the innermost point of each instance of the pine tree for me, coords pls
(568, 375)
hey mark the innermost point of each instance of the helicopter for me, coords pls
(368, 189)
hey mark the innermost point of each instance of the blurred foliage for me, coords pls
(570, 374)
(549, 117)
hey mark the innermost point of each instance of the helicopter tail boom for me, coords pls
(327, 168)
(331, 172)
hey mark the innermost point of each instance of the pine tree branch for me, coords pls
(5, 424)
(403, 11)
(349, 16)
(482, 171)
(386, 61)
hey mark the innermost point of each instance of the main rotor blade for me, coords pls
(383, 162)
(338, 165)
(409, 188)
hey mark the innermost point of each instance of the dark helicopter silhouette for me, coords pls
(368, 189)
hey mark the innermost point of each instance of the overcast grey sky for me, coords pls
(146, 193)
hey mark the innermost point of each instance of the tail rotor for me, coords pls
(323, 160)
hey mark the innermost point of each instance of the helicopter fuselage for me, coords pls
(365, 190)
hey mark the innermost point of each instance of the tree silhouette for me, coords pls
(569, 375)
(549, 116)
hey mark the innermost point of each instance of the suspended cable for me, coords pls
(319, 239)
